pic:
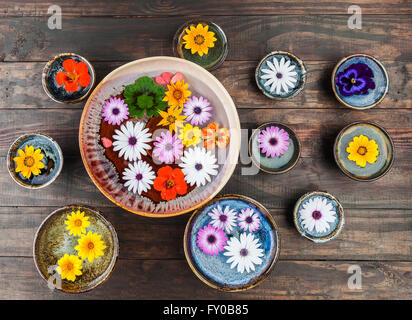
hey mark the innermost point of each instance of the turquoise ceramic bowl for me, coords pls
(252, 228)
(280, 75)
(282, 162)
(360, 81)
(52, 160)
(371, 171)
(318, 216)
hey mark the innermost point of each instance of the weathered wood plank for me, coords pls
(390, 192)
(173, 279)
(316, 37)
(209, 7)
(315, 128)
(369, 234)
(22, 88)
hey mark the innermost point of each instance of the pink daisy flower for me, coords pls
(249, 220)
(197, 110)
(273, 141)
(211, 240)
(168, 147)
(115, 111)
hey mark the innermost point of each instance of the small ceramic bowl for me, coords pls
(352, 155)
(52, 160)
(218, 237)
(318, 216)
(53, 241)
(280, 75)
(215, 55)
(280, 149)
(360, 81)
(58, 92)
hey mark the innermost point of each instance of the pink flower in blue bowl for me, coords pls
(355, 79)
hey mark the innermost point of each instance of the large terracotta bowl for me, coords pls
(101, 170)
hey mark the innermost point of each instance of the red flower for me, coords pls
(76, 73)
(170, 182)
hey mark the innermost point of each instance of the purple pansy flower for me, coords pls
(355, 79)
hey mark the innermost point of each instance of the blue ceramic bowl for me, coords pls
(318, 216)
(280, 75)
(214, 270)
(58, 93)
(360, 81)
(277, 164)
(371, 171)
(52, 160)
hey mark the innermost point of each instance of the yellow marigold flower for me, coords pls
(362, 150)
(77, 223)
(177, 94)
(199, 39)
(90, 246)
(171, 117)
(28, 162)
(190, 135)
(69, 267)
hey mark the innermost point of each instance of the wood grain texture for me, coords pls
(312, 38)
(162, 239)
(22, 87)
(200, 7)
(172, 279)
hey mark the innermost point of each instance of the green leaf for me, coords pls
(136, 112)
(130, 91)
(145, 84)
(144, 101)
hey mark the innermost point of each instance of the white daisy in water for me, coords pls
(244, 252)
(317, 213)
(249, 220)
(280, 76)
(139, 177)
(224, 219)
(198, 165)
(132, 140)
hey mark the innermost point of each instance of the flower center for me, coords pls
(29, 161)
(132, 141)
(72, 76)
(139, 176)
(90, 245)
(249, 220)
(223, 218)
(78, 223)
(199, 39)
(171, 119)
(243, 252)
(69, 266)
(177, 94)
(116, 111)
(362, 151)
(353, 81)
(279, 75)
(273, 141)
(169, 183)
(198, 166)
(316, 215)
(197, 110)
(211, 239)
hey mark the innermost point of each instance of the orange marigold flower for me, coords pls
(170, 182)
(213, 135)
(75, 74)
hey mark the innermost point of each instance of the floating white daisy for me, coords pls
(280, 75)
(132, 140)
(198, 165)
(224, 219)
(244, 252)
(317, 213)
(139, 177)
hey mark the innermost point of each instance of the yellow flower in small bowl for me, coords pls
(190, 135)
(90, 246)
(29, 161)
(199, 39)
(69, 267)
(362, 150)
(171, 118)
(77, 223)
(177, 94)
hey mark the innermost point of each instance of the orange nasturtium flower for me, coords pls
(75, 74)
(213, 135)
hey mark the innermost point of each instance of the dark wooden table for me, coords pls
(378, 231)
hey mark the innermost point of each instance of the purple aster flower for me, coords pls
(355, 79)
(249, 220)
(168, 147)
(197, 110)
(273, 141)
(211, 240)
(115, 111)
